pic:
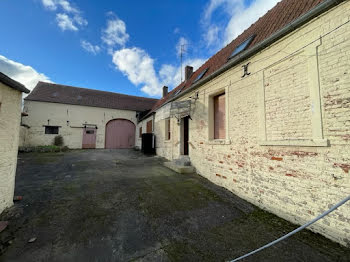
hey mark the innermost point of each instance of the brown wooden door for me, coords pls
(89, 137)
(186, 134)
(120, 133)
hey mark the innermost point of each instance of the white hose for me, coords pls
(294, 231)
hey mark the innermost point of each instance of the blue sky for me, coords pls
(122, 46)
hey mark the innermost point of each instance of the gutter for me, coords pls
(316, 11)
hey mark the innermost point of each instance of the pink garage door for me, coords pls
(120, 133)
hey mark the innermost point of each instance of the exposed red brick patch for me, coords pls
(234, 180)
(218, 175)
(277, 158)
(270, 167)
(201, 143)
(292, 175)
(229, 156)
(303, 153)
(346, 137)
(221, 162)
(231, 169)
(345, 167)
(224, 177)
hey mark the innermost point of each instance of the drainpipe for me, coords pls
(316, 11)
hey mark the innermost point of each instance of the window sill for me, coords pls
(306, 142)
(167, 141)
(219, 142)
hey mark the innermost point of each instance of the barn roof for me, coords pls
(54, 93)
(12, 83)
(279, 17)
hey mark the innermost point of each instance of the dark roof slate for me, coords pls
(54, 93)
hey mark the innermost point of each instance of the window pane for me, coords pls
(51, 130)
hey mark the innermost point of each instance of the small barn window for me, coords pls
(51, 130)
(167, 129)
(219, 117)
(149, 127)
(140, 134)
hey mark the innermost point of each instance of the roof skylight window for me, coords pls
(201, 75)
(242, 46)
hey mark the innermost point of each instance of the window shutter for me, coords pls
(219, 117)
(149, 126)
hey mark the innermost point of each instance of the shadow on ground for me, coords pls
(118, 205)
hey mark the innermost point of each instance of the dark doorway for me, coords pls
(186, 133)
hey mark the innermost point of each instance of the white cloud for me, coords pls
(66, 6)
(240, 18)
(115, 32)
(49, 4)
(78, 19)
(24, 74)
(65, 22)
(94, 49)
(212, 36)
(171, 75)
(182, 44)
(69, 18)
(246, 17)
(138, 66)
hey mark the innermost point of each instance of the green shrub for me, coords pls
(58, 140)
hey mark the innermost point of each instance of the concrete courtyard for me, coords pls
(118, 205)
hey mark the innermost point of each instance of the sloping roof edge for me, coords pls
(300, 21)
(41, 93)
(12, 83)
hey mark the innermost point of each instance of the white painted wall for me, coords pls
(10, 114)
(58, 114)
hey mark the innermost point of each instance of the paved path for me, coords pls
(118, 205)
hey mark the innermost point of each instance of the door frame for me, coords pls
(185, 135)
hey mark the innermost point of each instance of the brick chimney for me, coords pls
(165, 91)
(188, 72)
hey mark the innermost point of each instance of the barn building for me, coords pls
(85, 118)
(10, 118)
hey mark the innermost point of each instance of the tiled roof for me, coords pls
(278, 17)
(54, 93)
(12, 83)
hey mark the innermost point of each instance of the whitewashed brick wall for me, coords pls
(296, 182)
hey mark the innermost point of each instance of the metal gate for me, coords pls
(120, 133)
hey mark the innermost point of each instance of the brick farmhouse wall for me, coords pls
(40, 112)
(287, 146)
(10, 114)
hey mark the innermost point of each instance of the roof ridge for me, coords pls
(95, 90)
